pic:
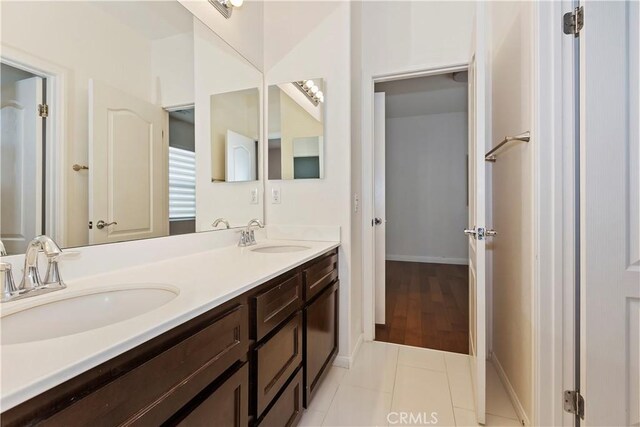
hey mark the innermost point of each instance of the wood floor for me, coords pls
(427, 305)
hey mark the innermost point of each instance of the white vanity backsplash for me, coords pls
(91, 260)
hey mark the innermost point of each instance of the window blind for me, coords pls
(182, 184)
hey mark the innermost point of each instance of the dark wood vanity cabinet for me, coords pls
(321, 337)
(255, 360)
(296, 332)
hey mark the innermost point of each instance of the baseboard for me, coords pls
(347, 361)
(428, 259)
(510, 391)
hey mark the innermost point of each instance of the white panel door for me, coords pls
(476, 227)
(241, 158)
(379, 117)
(20, 164)
(128, 172)
(610, 213)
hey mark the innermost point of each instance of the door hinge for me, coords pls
(574, 403)
(574, 21)
(43, 110)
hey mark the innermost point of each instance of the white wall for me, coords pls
(172, 66)
(308, 40)
(426, 188)
(511, 53)
(401, 37)
(243, 32)
(219, 69)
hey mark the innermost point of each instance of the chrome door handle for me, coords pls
(491, 233)
(101, 224)
(470, 232)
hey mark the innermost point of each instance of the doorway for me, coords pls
(421, 204)
(22, 142)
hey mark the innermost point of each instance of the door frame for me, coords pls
(55, 177)
(368, 182)
(553, 291)
(554, 285)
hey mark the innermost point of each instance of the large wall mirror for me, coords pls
(116, 122)
(296, 130)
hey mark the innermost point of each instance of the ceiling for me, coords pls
(424, 95)
(153, 20)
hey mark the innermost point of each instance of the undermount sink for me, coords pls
(77, 313)
(279, 249)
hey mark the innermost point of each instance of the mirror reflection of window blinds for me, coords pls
(182, 184)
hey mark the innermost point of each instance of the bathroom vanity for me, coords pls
(255, 359)
(166, 310)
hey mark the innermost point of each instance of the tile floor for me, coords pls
(394, 378)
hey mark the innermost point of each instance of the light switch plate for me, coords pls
(254, 196)
(275, 195)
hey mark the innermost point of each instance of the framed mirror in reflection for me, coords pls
(235, 130)
(296, 130)
(106, 128)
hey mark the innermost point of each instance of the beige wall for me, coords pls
(237, 111)
(511, 52)
(295, 122)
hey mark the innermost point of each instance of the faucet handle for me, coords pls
(9, 289)
(52, 277)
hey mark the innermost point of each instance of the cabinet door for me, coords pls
(321, 337)
(226, 406)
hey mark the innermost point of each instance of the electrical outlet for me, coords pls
(254, 196)
(275, 195)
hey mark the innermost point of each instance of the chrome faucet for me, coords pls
(31, 284)
(219, 221)
(9, 289)
(247, 236)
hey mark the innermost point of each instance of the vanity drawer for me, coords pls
(226, 406)
(152, 392)
(320, 274)
(287, 409)
(276, 304)
(276, 360)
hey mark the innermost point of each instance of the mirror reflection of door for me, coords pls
(241, 158)
(21, 158)
(235, 128)
(128, 185)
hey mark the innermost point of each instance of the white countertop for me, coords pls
(205, 279)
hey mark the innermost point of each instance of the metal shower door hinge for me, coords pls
(574, 21)
(43, 110)
(574, 403)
